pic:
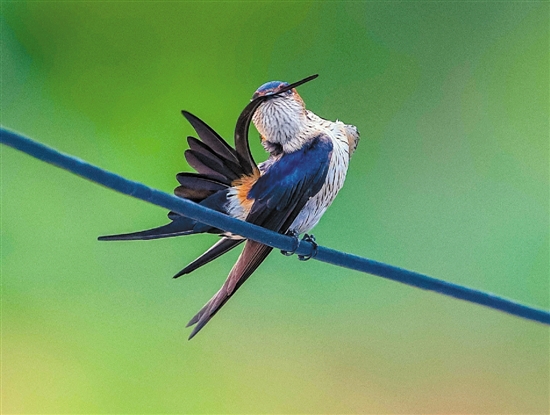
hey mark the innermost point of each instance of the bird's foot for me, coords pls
(311, 240)
(294, 235)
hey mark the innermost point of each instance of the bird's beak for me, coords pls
(295, 84)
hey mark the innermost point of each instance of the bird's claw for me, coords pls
(311, 240)
(296, 243)
(307, 238)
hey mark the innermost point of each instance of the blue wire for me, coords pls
(250, 231)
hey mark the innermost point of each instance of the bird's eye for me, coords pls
(289, 92)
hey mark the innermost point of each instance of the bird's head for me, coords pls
(282, 113)
(271, 89)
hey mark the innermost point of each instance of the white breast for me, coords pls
(339, 162)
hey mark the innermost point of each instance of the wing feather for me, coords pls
(200, 147)
(209, 166)
(211, 138)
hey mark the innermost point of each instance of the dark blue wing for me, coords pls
(281, 193)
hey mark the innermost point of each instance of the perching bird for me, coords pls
(288, 193)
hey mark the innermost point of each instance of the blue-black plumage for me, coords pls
(289, 192)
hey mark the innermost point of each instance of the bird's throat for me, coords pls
(280, 126)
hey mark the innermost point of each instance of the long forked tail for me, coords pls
(250, 259)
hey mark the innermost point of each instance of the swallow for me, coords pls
(288, 193)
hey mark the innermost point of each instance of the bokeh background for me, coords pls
(450, 179)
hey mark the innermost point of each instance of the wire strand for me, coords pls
(267, 237)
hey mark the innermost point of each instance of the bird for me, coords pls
(308, 158)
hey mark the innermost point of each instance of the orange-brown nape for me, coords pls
(243, 186)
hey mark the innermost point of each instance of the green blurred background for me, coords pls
(450, 179)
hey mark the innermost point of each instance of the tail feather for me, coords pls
(253, 254)
(221, 247)
(180, 226)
